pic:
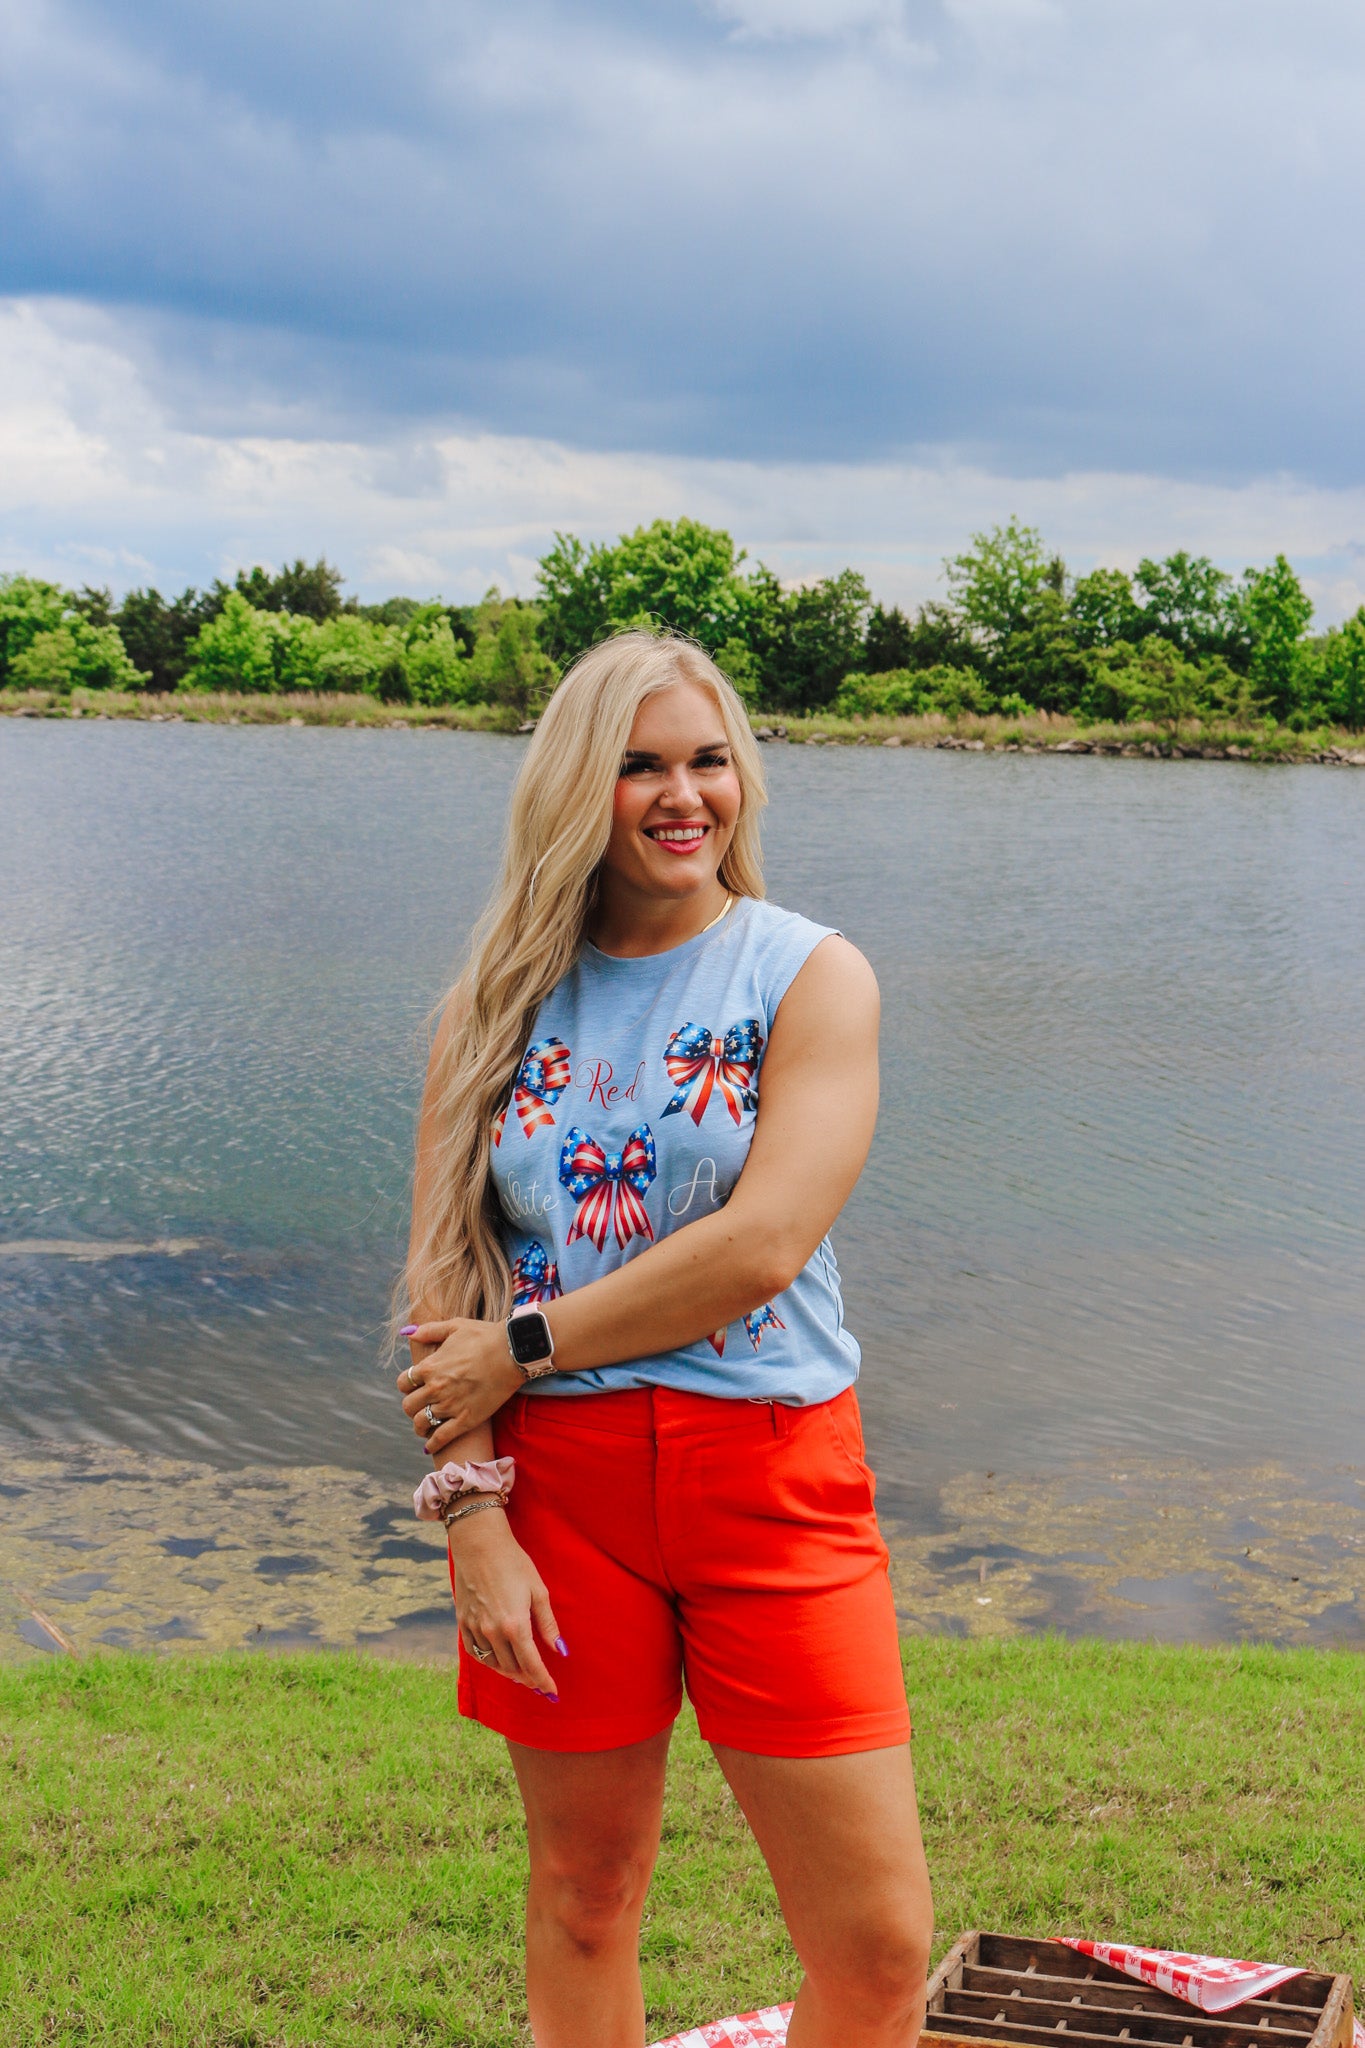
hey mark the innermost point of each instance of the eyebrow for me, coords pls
(643, 754)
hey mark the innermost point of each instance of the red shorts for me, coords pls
(730, 1543)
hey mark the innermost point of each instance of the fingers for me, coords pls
(526, 1662)
(515, 1655)
(429, 1333)
(512, 1641)
(547, 1628)
(446, 1429)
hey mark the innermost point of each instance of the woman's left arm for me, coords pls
(816, 1116)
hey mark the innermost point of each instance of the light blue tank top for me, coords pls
(631, 1116)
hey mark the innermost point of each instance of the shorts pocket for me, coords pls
(845, 1424)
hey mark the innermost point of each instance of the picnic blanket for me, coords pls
(745, 2030)
(1213, 1983)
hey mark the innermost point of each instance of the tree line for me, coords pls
(1176, 640)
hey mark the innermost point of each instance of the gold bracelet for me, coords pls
(485, 1500)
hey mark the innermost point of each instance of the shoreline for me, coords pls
(1040, 732)
(318, 1558)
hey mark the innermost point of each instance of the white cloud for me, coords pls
(99, 482)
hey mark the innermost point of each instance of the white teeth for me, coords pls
(678, 832)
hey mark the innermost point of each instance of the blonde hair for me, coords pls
(530, 934)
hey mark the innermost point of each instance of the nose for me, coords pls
(680, 790)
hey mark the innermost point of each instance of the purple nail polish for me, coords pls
(409, 1330)
(561, 1646)
(552, 1697)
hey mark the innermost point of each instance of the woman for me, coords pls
(649, 1096)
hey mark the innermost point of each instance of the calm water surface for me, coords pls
(1117, 1199)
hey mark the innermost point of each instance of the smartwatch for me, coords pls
(530, 1343)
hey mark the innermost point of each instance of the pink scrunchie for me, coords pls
(438, 1489)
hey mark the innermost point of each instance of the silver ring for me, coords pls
(483, 1653)
(433, 1420)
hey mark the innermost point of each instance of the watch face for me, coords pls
(529, 1337)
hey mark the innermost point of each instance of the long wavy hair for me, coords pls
(530, 934)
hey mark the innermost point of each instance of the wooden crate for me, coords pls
(996, 1990)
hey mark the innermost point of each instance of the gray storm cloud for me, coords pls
(1042, 234)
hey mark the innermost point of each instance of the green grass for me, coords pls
(302, 707)
(1041, 731)
(227, 1850)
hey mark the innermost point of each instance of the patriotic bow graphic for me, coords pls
(607, 1186)
(696, 1060)
(760, 1319)
(541, 1079)
(755, 1323)
(535, 1276)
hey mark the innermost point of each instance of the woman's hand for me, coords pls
(500, 1599)
(464, 1379)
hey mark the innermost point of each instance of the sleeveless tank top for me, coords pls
(631, 1116)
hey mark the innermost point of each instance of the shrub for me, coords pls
(911, 692)
(508, 665)
(236, 651)
(75, 655)
(28, 607)
(351, 653)
(437, 668)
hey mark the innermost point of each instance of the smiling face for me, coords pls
(676, 800)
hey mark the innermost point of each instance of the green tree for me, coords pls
(1337, 663)
(350, 653)
(28, 607)
(1191, 603)
(575, 589)
(94, 603)
(312, 590)
(1276, 611)
(510, 665)
(996, 585)
(679, 574)
(75, 655)
(941, 638)
(739, 665)
(1042, 661)
(1158, 684)
(437, 667)
(159, 636)
(1103, 609)
(807, 639)
(889, 641)
(675, 573)
(235, 650)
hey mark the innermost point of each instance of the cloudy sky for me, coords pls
(416, 284)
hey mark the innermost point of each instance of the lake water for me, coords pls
(1117, 1200)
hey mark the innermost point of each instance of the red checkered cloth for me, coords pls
(747, 2030)
(1213, 1983)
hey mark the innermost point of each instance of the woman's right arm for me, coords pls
(500, 1597)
